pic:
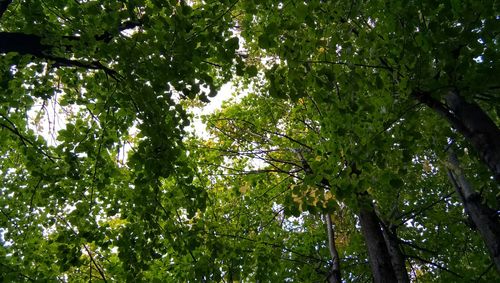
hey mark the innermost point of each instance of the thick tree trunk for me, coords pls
(378, 254)
(397, 257)
(334, 276)
(485, 219)
(473, 123)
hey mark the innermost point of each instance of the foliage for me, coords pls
(102, 181)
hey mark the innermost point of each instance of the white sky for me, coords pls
(226, 92)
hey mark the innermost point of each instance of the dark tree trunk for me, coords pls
(378, 254)
(397, 257)
(473, 123)
(334, 276)
(485, 219)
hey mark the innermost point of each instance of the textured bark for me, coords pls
(485, 219)
(473, 123)
(397, 257)
(378, 254)
(334, 276)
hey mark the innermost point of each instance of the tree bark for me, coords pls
(485, 219)
(378, 253)
(334, 276)
(397, 257)
(472, 122)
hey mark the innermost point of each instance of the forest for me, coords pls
(359, 141)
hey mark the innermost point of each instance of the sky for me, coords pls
(197, 127)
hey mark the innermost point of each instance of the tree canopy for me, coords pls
(362, 143)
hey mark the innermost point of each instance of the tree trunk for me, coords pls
(473, 123)
(397, 257)
(378, 254)
(485, 219)
(334, 275)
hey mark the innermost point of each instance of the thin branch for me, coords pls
(18, 272)
(216, 21)
(484, 272)
(94, 65)
(33, 194)
(268, 131)
(11, 221)
(24, 140)
(210, 63)
(395, 120)
(412, 214)
(349, 64)
(435, 265)
(268, 244)
(417, 247)
(89, 252)
(182, 225)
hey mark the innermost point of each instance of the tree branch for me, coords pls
(435, 265)
(87, 249)
(268, 244)
(411, 214)
(348, 64)
(30, 44)
(13, 129)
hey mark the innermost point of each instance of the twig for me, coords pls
(347, 64)
(24, 140)
(435, 265)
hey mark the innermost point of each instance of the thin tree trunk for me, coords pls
(378, 254)
(485, 219)
(334, 276)
(473, 123)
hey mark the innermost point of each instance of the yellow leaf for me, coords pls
(117, 222)
(298, 199)
(427, 166)
(244, 188)
(370, 190)
(318, 158)
(328, 196)
(315, 201)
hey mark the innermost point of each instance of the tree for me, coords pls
(371, 58)
(117, 72)
(243, 131)
(337, 167)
